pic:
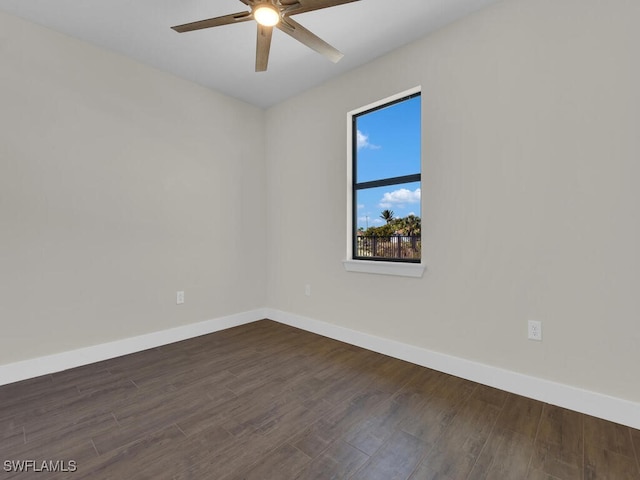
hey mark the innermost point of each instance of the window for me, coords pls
(385, 182)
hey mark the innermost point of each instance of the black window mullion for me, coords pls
(354, 180)
(385, 182)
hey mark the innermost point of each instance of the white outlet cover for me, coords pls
(179, 298)
(535, 330)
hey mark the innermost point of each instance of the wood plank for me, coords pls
(284, 462)
(371, 434)
(505, 455)
(540, 475)
(521, 415)
(396, 460)
(635, 440)
(459, 447)
(340, 460)
(559, 448)
(134, 457)
(11, 434)
(608, 451)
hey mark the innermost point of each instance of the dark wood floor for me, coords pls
(266, 401)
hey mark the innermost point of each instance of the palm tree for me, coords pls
(387, 215)
(412, 225)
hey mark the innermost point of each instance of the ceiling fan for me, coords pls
(274, 13)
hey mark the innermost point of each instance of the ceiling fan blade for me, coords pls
(214, 22)
(263, 45)
(297, 31)
(302, 6)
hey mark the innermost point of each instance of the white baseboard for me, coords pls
(591, 403)
(23, 370)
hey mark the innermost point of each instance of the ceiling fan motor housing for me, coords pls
(266, 13)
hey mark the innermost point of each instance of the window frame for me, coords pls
(386, 266)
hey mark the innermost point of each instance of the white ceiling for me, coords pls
(223, 58)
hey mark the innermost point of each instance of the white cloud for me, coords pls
(360, 206)
(400, 198)
(363, 141)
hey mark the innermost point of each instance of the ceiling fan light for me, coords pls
(266, 15)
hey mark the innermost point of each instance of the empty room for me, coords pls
(320, 239)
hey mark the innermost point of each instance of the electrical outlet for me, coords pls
(179, 298)
(535, 330)
(307, 290)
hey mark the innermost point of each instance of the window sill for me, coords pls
(415, 270)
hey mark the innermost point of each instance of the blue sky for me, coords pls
(388, 146)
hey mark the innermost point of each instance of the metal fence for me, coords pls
(393, 247)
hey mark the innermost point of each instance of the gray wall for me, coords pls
(531, 112)
(119, 185)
